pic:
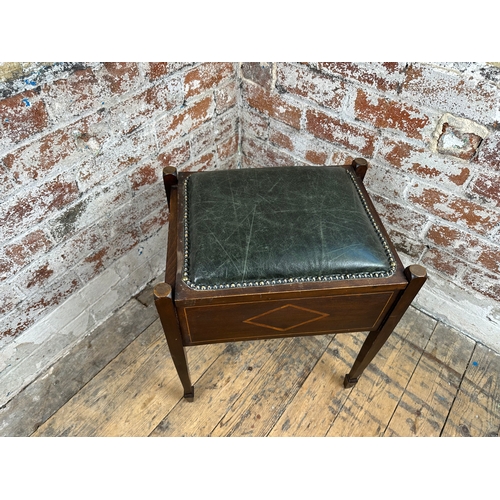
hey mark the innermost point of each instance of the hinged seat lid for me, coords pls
(277, 225)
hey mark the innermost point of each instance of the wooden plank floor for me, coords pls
(428, 380)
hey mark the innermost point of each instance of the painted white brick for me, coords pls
(100, 285)
(80, 326)
(67, 311)
(477, 317)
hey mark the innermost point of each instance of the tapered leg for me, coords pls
(416, 276)
(168, 317)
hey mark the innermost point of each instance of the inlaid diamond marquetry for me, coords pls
(285, 318)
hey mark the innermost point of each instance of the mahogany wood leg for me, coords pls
(168, 317)
(416, 276)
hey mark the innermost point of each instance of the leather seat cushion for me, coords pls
(279, 224)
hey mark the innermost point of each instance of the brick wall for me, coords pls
(82, 207)
(431, 134)
(82, 146)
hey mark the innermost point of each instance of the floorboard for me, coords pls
(433, 385)
(428, 380)
(44, 396)
(476, 410)
(373, 400)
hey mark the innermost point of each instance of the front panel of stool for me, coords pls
(260, 319)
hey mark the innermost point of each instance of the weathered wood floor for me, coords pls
(428, 380)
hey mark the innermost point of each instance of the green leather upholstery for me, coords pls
(277, 225)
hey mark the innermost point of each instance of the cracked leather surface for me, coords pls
(278, 223)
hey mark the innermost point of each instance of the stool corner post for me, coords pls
(169, 180)
(167, 312)
(360, 166)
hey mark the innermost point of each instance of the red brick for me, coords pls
(10, 298)
(385, 76)
(205, 77)
(121, 76)
(154, 222)
(86, 211)
(202, 138)
(159, 98)
(7, 184)
(485, 283)
(273, 105)
(147, 201)
(227, 148)
(111, 162)
(311, 85)
(131, 114)
(260, 73)
(74, 95)
(423, 163)
(405, 244)
(261, 154)
(226, 124)
(58, 261)
(345, 134)
(175, 156)
(452, 92)
(205, 162)
(466, 246)
(38, 306)
(399, 215)
(157, 70)
(121, 231)
(93, 264)
(489, 152)
(389, 114)
(39, 158)
(316, 157)
(443, 263)
(303, 146)
(33, 206)
(40, 275)
(22, 116)
(255, 124)
(28, 247)
(144, 175)
(446, 236)
(7, 267)
(225, 97)
(487, 186)
(280, 139)
(182, 123)
(341, 158)
(454, 209)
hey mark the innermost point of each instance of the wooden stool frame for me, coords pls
(196, 317)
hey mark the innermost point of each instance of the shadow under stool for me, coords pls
(278, 252)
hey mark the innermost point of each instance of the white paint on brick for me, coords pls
(476, 99)
(36, 349)
(463, 124)
(82, 323)
(478, 317)
(96, 288)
